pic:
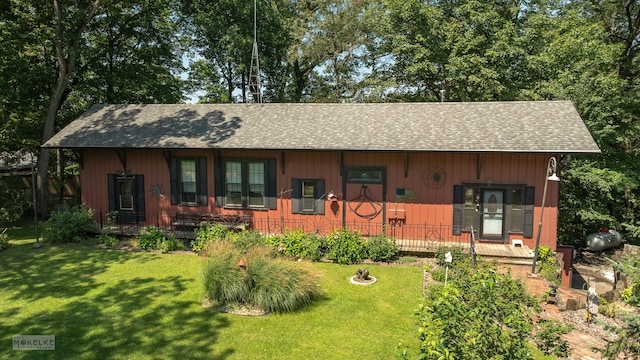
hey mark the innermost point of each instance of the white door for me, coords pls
(492, 214)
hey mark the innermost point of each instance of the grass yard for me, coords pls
(110, 304)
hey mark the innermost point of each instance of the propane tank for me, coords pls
(603, 240)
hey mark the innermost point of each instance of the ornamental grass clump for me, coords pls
(255, 279)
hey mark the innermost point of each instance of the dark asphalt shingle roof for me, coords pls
(536, 126)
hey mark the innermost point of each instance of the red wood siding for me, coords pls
(425, 204)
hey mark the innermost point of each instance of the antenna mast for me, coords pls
(254, 72)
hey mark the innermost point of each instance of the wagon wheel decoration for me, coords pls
(365, 198)
(434, 177)
(318, 225)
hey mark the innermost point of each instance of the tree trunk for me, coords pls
(66, 65)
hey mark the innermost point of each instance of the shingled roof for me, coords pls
(536, 126)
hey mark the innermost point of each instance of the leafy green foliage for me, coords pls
(480, 314)
(314, 247)
(548, 337)
(170, 243)
(627, 342)
(13, 199)
(152, 238)
(270, 284)
(381, 248)
(246, 240)
(71, 225)
(346, 247)
(289, 243)
(208, 234)
(106, 239)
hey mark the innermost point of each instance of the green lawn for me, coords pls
(113, 304)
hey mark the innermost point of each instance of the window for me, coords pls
(188, 193)
(307, 196)
(361, 175)
(246, 183)
(188, 181)
(494, 210)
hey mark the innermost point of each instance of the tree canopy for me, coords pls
(59, 58)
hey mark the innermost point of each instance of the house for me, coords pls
(423, 172)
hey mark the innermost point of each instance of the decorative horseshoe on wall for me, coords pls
(365, 197)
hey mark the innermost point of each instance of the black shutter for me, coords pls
(529, 197)
(272, 191)
(140, 210)
(218, 185)
(111, 191)
(201, 173)
(296, 196)
(174, 181)
(458, 203)
(319, 192)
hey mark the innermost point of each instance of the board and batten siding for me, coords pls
(423, 203)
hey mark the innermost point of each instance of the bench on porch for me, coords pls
(190, 220)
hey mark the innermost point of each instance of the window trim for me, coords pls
(269, 183)
(201, 182)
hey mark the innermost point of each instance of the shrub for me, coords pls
(246, 239)
(549, 339)
(106, 239)
(382, 249)
(13, 199)
(345, 247)
(69, 226)
(314, 247)
(170, 243)
(150, 238)
(480, 314)
(206, 235)
(4, 240)
(289, 243)
(269, 284)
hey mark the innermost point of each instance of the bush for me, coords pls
(480, 314)
(150, 238)
(246, 239)
(345, 247)
(382, 249)
(314, 247)
(269, 284)
(107, 240)
(13, 199)
(206, 235)
(170, 243)
(289, 243)
(71, 225)
(549, 339)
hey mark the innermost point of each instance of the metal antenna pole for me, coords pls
(254, 72)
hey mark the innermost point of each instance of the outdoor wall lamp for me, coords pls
(549, 175)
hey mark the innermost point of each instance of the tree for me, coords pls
(469, 49)
(69, 26)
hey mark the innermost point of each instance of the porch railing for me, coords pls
(409, 237)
